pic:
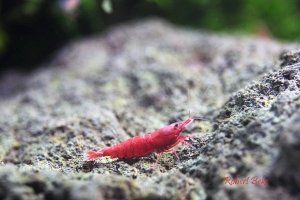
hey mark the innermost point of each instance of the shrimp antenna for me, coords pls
(188, 99)
(200, 118)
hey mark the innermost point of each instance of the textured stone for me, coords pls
(134, 79)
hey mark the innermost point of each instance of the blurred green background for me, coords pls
(31, 30)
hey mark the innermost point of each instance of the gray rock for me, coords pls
(136, 78)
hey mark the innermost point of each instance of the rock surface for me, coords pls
(141, 76)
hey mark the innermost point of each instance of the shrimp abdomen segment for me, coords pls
(134, 147)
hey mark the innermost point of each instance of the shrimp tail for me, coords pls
(93, 154)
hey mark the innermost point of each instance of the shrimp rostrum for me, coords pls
(159, 141)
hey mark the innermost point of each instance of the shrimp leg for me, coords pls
(173, 151)
(182, 140)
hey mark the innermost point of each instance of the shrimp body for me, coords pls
(161, 140)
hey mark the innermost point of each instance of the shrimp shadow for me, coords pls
(88, 166)
(132, 161)
(129, 161)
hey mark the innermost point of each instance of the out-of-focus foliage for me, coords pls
(30, 30)
(280, 17)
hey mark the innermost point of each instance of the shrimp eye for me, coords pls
(176, 125)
